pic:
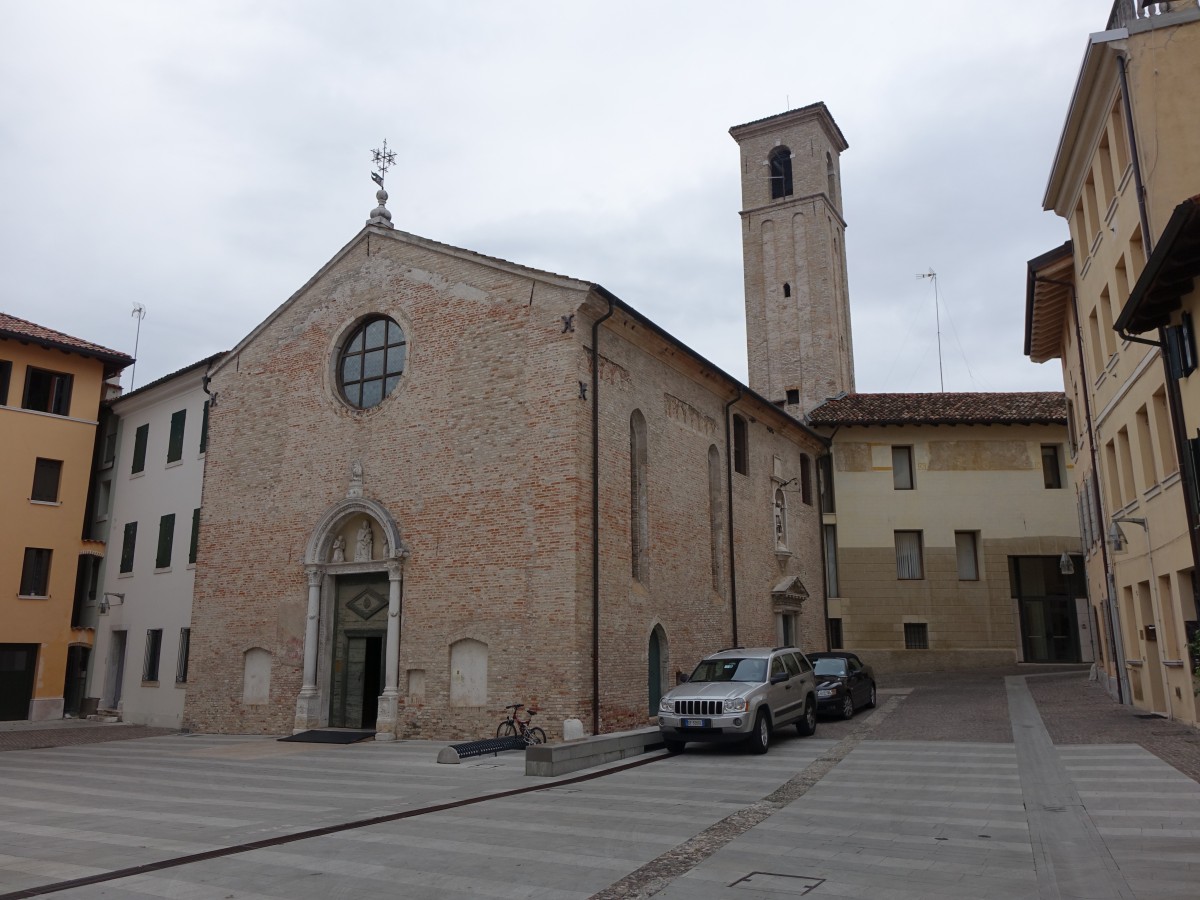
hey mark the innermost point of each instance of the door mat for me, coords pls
(330, 736)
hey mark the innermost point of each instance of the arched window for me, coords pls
(639, 529)
(787, 289)
(716, 514)
(371, 362)
(780, 163)
(831, 177)
(780, 520)
(806, 479)
(741, 447)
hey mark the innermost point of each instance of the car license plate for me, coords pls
(695, 723)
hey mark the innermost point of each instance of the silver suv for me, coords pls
(741, 695)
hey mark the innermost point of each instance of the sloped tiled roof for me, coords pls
(1016, 408)
(208, 360)
(21, 330)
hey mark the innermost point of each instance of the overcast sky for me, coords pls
(205, 159)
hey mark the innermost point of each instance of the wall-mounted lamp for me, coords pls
(1116, 537)
(106, 602)
(1065, 564)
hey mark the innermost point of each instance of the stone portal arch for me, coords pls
(355, 540)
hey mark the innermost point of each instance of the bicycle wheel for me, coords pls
(506, 729)
(535, 735)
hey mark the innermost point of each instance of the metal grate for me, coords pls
(699, 707)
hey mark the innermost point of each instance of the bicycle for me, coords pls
(515, 726)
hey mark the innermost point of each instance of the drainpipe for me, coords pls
(729, 512)
(1116, 645)
(596, 516)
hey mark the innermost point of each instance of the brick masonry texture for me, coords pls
(482, 455)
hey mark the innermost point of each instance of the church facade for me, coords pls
(438, 483)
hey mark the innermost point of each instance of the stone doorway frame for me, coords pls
(313, 701)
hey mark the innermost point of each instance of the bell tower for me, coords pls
(794, 258)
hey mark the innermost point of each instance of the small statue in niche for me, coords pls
(356, 480)
(339, 549)
(365, 548)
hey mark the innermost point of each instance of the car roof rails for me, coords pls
(727, 649)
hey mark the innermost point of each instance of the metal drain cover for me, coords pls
(777, 883)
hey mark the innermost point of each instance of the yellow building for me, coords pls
(51, 386)
(950, 538)
(1126, 158)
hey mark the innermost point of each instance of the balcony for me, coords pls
(1125, 12)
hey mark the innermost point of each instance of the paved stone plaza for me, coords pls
(983, 804)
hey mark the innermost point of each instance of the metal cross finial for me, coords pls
(384, 159)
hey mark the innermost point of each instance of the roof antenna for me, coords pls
(932, 276)
(139, 313)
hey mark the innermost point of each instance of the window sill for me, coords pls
(45, 502)
(150, 684)
(137, 474)
(33, 596)
(164, 570)
(172, 463)
(181, 685)
(191, 567)
(124, 574)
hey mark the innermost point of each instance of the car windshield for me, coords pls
(834, 666)
(731, 669)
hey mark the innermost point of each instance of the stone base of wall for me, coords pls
(45, 708)
(886, 662)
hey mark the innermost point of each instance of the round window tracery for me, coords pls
(371, 362)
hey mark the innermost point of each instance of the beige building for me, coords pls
(51, 385)
(946, 520)
(1126, 158)
(428, 495)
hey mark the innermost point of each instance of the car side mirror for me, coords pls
(779, 677)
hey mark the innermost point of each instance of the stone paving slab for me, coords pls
(881, 812)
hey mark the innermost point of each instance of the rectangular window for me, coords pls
(47, 391)
(46, 476)
(805, 479)
(909, 563)
(835, 634)
(140, 438)
(831, 560)
(741, 448)
(175, 442)
(966, 544)
(181, 663)
(1072, 434)
(916, 636)
(110, 443)
(902, 468)
(5, 378)
(153, 653)
(204, 430)
(127, 545)
(35, 572)
(1051, 467)
(194, 546)
(166, 540)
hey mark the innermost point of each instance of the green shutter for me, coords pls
(166, 539)
(127, 546)
(195, 535)
(175, 444)
(140, 439)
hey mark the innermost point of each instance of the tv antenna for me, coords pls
(139, 313)
(932, 276)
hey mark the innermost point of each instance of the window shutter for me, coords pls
(166, 540)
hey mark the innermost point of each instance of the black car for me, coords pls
(844, 682)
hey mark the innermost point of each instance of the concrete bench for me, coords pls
(570, 756)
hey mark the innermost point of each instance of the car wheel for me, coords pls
(871, 697)
(808, 725)
(673, 747)
(760, 737)
(847, 706)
